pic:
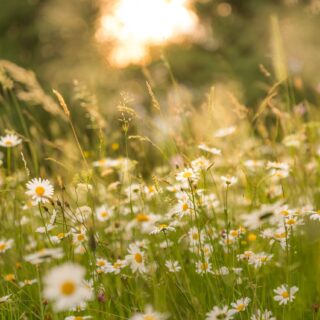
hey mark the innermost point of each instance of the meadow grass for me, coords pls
(185, 212)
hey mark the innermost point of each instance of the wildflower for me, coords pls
(219, 313)
(149, 314)
(285, 294)
(115, 267)
(27, 282)
(260, 259)
(315, 215)
(213, 151)
(263, 315)
(173, 266)
(136, 259)
(5, 299)
(9, 141)
(65, 286)
(223, 132)
(195, 236)
(44, 255)
(5, 245)
(10, 277)
(103, 213)
(78, 317)
(59, 237)
(162, 228)
(240, 305)
(229, 181)
(203, 267)
(187, 175)
(40, 190)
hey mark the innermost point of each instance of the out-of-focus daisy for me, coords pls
(203, 267)
(44, 255)
(240, 305)
(263, 315)
(9, 141)
(214, 151)
(103, 213)
(173, 266)
(5, 245)
(27, 282)
(285, 294)
(163, 227)
(65, 286)
(59, 237)
(149, 314)
(219, 313)
(195, 236)
(115, 267)
(223, 132)
(40, 190)
(5, 299)
(229, 181)
(136, 259)
(78, 317)
(186, 175)
(315, 215)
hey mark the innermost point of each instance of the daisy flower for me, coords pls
(9, 141)
(115, 267)
(218, 313)
(162, 228)
(149, 314)
(203, 267)
(229, 181)
(44, 255)
(5, 299)
(136, 259)
(77, 318)
(5, 245)
(40, 190)
(103, 213)
(240, 305)
(205, 148)
(65, 286)
(186, 175)
(263, 315)
(315, 215)
(173, 266)
(285, 294)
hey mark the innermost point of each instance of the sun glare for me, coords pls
(134, 26)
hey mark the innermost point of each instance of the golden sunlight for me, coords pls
(134, 26)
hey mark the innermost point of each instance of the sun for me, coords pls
(134, 26)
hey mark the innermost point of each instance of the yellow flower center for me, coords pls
(284, 213)
(204, 266)
(8, 143)
(142, 217)
(185, 207)
(80, 237)
(101, 263)
(40, 191)
(234, 233)
(78, 318)
(252, 237)
(68, 288)
(195, 236)
(291, 222)
(138, 257)
(3, 246)
(9, 277)
(60, 235)
(240, 307)
(104, 214)
(117, 265)
(187, 174)
(163, 226)
(285, 294)
(149, 317)
(280, 235)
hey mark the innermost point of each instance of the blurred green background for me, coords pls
(55, 38)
